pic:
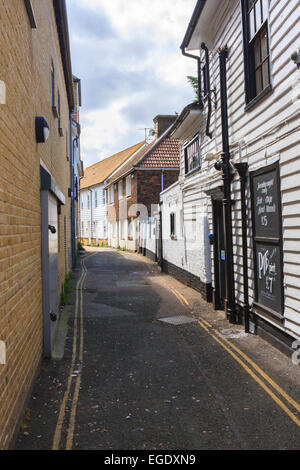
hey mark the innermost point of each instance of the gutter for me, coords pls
(193, 23)
(60, 11)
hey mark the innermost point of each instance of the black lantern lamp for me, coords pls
(42, 129)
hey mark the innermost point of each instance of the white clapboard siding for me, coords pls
(93, 214)
(269, 131)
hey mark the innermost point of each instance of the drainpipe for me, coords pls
(207, 73)
(191, 56)
(227, 202)
(162, 180)
(242, 169)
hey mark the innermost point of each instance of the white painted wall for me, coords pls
(93, 215)
(269, 132)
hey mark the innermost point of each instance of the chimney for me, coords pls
(162, 122)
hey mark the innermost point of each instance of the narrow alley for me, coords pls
(146, 365)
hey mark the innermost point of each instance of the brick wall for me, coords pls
(25, 63)
(150, 185)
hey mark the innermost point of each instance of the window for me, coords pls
(59, 115)
(192, 155)
(53, 88)
(103, 198)
(123, 224)
(173, 225)
(88, 201)
(128, 186)
(120, 189)
(111, 195)
(130, 229)
(256, 48)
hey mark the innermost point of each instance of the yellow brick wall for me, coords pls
(25, 64)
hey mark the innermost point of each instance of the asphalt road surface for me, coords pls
(148, 365)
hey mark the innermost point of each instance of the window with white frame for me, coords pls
(128, 186)
(130, 229)
(96, 199)
(103, 197)
(120, 189)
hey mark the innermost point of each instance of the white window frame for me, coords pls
(128, 186)
(120, 190)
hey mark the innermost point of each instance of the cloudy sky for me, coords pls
(127, 53)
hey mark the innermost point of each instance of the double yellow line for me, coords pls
(260, 377)
(75, 358)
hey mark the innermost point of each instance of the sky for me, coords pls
(127, 54)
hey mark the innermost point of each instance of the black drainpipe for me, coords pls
(191, 56)
(227, 202)
(207, 78)
(242, 169)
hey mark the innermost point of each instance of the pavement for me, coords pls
(143, 363)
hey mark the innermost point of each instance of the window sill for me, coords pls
(258, 98)
(194, 170)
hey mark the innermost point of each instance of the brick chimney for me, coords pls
(162, 122)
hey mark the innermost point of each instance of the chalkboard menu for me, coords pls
(267, 237)
(266, 205)
(269, 278)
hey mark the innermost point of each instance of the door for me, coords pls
(219, 256)
(53, 255)
(50, 230)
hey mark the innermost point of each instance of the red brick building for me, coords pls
(133, 192)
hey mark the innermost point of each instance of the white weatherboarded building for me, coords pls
(93, 207)
(256, 39)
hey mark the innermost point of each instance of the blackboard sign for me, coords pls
(269, 276)
(266, 205)
(267, 230)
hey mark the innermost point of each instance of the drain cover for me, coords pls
(179, 320)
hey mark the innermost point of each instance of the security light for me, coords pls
(42, 129)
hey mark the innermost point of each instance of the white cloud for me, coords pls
(128, 56)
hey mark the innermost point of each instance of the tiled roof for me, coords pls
(101, 171)
(162, 153)
(165, 155)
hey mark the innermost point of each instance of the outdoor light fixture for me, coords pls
(42, 129)
(295, 57)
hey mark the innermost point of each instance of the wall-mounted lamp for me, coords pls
(42, 129)
(295, 57)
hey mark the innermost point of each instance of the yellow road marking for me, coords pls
(70, 435)
(62, 412)
(223, 341)
(257, 379)
(176, 294)
(182, 297)
(258, 369)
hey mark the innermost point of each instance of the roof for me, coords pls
(60, 10)
(192, 24)
(162, 153)
(99, 172)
